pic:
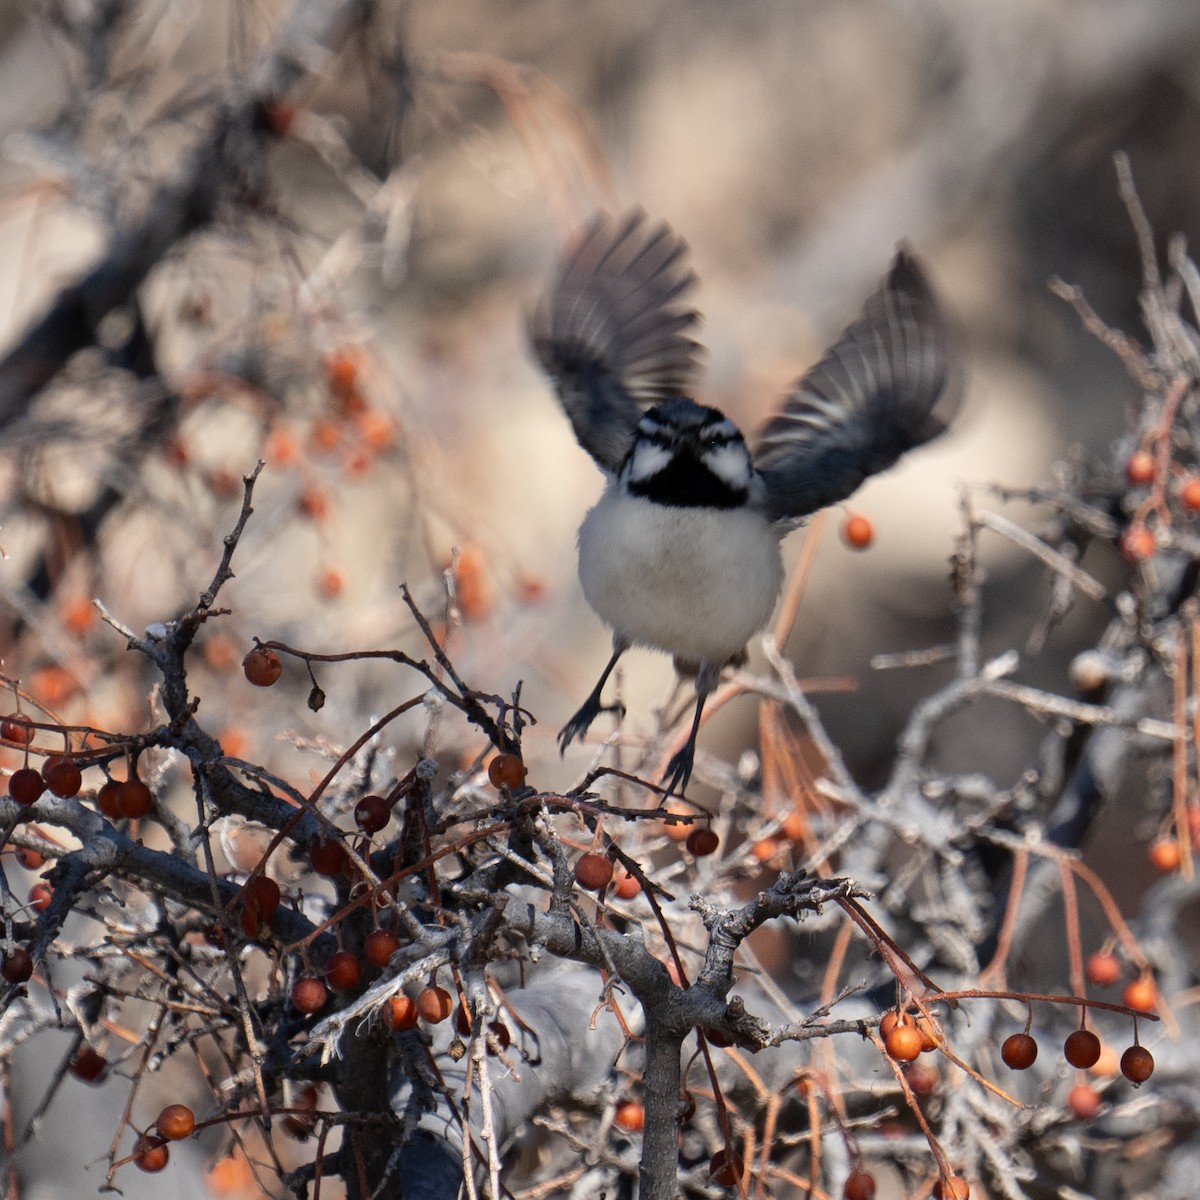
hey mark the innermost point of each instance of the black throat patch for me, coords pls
(687, 483)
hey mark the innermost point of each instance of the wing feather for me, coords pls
(613, 333)
(891, 382)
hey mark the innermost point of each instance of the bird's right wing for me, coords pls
(890, 383)
(613, 331)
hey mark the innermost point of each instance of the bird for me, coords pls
(681, 553)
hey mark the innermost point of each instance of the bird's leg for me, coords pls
(591, 708)
(679, 769)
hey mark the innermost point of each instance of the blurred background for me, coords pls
(404, 223)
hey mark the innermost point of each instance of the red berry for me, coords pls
(262, 667)
(400, 1013)
(1189, 494)
(860, 1185)
(176, 1121)
(857, 532)
(1103, 969)
(26, 785)
(379, 946)
(328, 856)
(18, 965)
(372, 813)
(1019, 1051)
(134, 800)
(1084, 1101)
(343, 970)
(262, 896)
(702, 841)
(1164, 855)
(62, 776)
(88, 1065)
(903, 1043)
(726, 1168)
(593, 871)
(1141, 994)
(150, 1154)
(1082, 1049)
(506, 770)
(106, 799)
(16, 728)
(1139, 469)
(40, 896)
(953, 1187)
(922, 1079)
(1137, 1064)
(308, 994)
(434, 1004)
(630, 1115)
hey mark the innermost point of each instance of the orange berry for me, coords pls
(331, 583)
(1137, 543)
(677, 831)
(471, 586)
(16, 728)
(859, 1185)
(1137, 1064)
(434, 1004)
(133, 799)
(1084, 1101)
(313, 503)
(1082, 1048)
(953, 1187)
(922, 1079)
(308, 994)
(375, 429)
(342, 371)
(794, 826)
(176, 1121)
(343, 970)
(150, 1154)
(379, 946)
(593, 871)
(857, 532)
(630, 1116)
(40, 896)
(78, 615)
(506, 770)
(262, 667)
(625, 886)
(400, 1013)
(324, 435)
(1102, 969)
(1139, 469)
(1019, 1051)
(903, 1043)
(1189, 494)
(764, 850)
(1164, 855)
(280, 448)
(1141, 994)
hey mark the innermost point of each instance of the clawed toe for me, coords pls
(581, 722)
(679, 770)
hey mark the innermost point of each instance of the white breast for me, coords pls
(697, 583)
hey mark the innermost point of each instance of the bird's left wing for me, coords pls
(889, 383)
(613, 331)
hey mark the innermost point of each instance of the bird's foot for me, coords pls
(581, 722)
(679, 769)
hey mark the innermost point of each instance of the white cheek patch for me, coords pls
(646, 461)
(730, 464)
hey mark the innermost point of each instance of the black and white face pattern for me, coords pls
(688, 456)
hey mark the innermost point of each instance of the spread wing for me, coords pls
(613, 331)
(889, 383)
